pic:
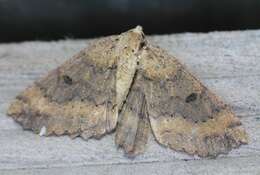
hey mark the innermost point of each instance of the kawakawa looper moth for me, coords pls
(124, 84)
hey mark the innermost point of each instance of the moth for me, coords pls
(124, 84)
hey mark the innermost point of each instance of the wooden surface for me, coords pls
(227, 62)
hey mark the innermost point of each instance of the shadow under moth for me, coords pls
(124, 84)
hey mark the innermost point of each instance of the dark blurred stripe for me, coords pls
(53, 19)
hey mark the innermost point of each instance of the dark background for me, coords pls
(55, 19)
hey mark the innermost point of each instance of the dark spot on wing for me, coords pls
(192, 97)
(67, 79)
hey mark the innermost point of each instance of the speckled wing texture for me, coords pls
(77, 98)
(184, 114)
(133, 124)
(124, 84)
(83, 96)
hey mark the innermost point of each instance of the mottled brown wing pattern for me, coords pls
(77, 98)
(184, 114)
(133, 123)
(125, 84)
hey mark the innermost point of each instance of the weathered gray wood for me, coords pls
(227, 62)
(241, 165)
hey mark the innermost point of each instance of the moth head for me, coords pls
(132, 41)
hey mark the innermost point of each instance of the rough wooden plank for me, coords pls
(241, 165)
(227, 62)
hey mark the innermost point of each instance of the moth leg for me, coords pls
(133, 125)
